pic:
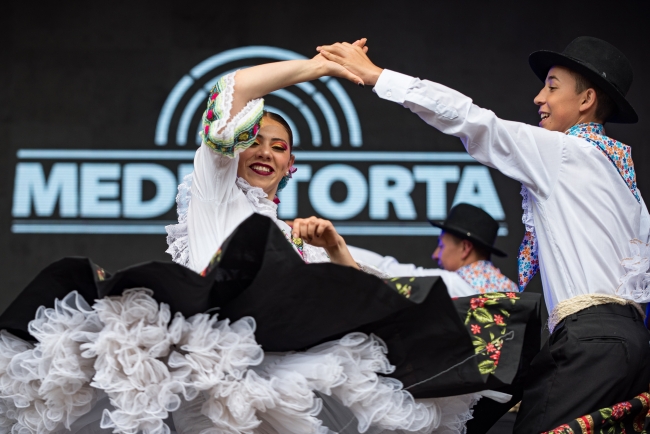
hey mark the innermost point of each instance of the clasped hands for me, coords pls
(353, 58)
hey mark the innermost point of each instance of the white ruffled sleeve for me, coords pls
(223, 138)
(210, 204)
(635, 284)
(177, 234)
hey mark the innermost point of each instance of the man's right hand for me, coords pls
(354, 59)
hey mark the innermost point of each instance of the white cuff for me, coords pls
(393, 86)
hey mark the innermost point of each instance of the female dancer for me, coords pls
(131, 359)
(244, 160)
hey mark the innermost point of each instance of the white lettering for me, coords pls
(391, 184)
(476, 188)
(163, 179)
(95, 186)
(437, 178)
(320, 192)
(30, 186)
(104, 190)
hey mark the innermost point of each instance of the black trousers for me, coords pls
(594, 359)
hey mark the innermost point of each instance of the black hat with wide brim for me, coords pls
(599, 62)
(471, 223)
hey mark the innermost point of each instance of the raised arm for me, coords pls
(257, 81)
(522, 152)
(232, 117)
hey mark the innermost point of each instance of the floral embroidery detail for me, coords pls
(624, 417)
(477, 302)
(100, 273)
(243, 128)
(528, 258)
(642, 419)
(618, 153)
(404, 289)
(214, 261)
(618, 410)
(403, 285)
(486, 319)
(484, 277)
(562, 429)
(297, 243)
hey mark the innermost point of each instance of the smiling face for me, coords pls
(265, 162)
(560, 106)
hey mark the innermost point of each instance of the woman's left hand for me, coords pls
(321, 233)
(317, 232)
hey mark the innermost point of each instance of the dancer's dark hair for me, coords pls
(605, 107)
(279, 119)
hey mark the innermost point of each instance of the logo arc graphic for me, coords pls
(187, 81)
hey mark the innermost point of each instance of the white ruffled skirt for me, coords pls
(125, 365)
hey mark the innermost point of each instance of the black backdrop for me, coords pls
(95, 75)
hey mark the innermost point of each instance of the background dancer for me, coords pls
(463, 255)
(584, 216)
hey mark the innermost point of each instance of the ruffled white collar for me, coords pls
(258, 199)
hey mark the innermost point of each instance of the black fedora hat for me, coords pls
(599, 62)
(471, 223)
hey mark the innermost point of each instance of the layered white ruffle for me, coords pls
(177, 234)
(128, 353)
(635, 283)
(46, 387)
(527, 206)
(217, 130)
(258, 199)
(211, 375)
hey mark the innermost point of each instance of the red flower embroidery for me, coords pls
(619, 410)
(511, 294)
(476, 329)
(477, 302)
(490, 348)
(498, 319)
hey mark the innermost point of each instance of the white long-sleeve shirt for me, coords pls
(584, 214)
(455, 284)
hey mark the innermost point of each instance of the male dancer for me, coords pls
(464, 250)
(585, 217)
